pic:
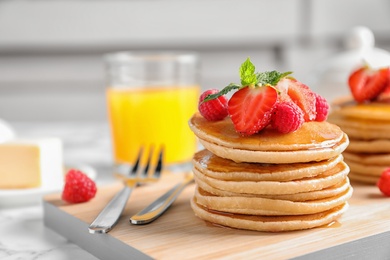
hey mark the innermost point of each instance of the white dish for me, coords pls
(19, 197)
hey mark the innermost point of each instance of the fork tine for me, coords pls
(109, 216)
(159, 166)
(135, 167)
(146, 170)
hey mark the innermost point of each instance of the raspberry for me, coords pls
(384, 182)
(287, 117)
(215, 109)
(78, 187)
(322, 108)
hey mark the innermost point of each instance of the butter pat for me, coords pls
(27, 163)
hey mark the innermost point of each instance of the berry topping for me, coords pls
(366, 83)
(251, 108)
(384, 96)
(78, 187)
(215, 109)
(262, 99)
(384, 182)
(301, 95)
(322, 108)
(287, 117)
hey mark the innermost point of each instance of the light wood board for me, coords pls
(179, 234)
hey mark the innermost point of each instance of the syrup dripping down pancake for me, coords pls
(314, 141)
(224, 169)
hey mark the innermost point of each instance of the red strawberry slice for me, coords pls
(250, 108)
(366, 83)
(301, 95)
(384, 96)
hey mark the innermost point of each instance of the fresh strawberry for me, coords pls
(250, 108)
(215, 109)
(384, 182)
(301, 95)
(322, 108)
(78, 187)
(287, 117)
(384, 96)
(366, 83)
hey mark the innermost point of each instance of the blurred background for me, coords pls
(51, 66)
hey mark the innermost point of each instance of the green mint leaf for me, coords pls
(224, 91)
(247, 73)
(270, 77)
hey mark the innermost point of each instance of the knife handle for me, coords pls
(159, 206)
(109, 216)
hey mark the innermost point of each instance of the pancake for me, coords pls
(366, 129)
(358, 123)
(270, 181)
(268, 223)
(370, 111)
(277, 157)
(299, 197)
(326, 179)
(369, 146)
(314, 141)
(364, 134)
(369, 179)
(268, 207)
(377, 159)
(364, 169)
(224, 169)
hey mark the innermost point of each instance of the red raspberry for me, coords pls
(215, 109)
(384, 182)
(287, 117)
(78, 187)
(322, 108)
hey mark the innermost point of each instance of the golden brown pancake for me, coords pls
(373, 159)
(319, 182)
(363, 178)
(224, 169)
(369, 111)
(314, 141)
(368, 127)
(369, 146)
(268, 223)
(299, 197)
(369, 170)
(270, 181)
(311, 135)
(268, 207)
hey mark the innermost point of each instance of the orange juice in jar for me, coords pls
(150, 98)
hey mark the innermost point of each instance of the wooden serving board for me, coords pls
(363, 231)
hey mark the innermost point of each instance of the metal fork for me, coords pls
(109, 216)
(160, 205)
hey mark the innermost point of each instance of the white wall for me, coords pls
(51, 64)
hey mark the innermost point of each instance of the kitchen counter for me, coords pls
(24, 236)
(22, 231)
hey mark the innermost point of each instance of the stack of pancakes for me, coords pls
(270, 181)
(368, 127)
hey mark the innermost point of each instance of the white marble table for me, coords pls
(22, 232)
